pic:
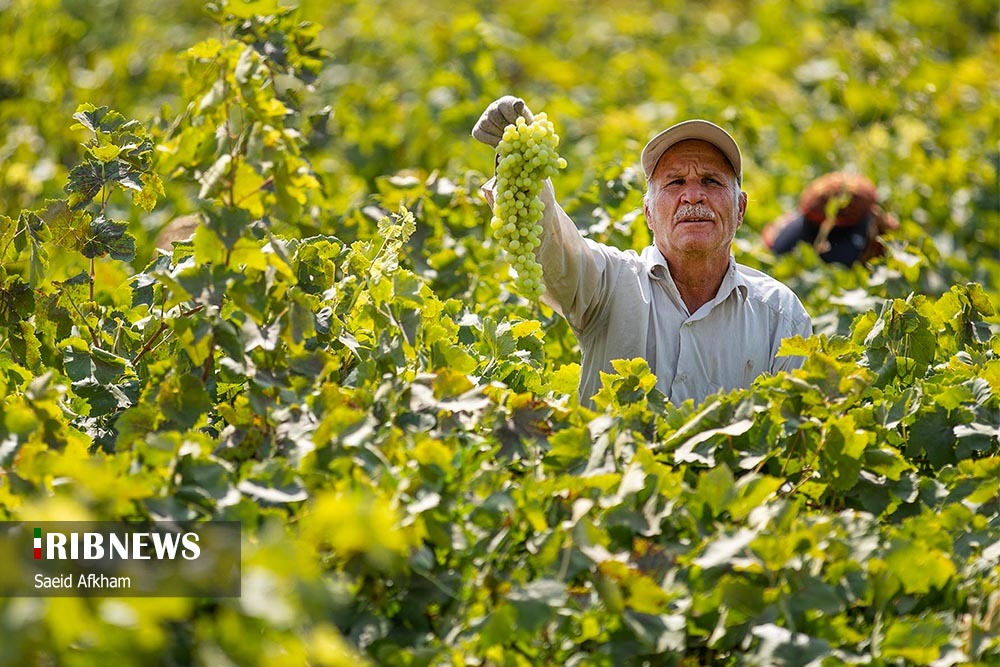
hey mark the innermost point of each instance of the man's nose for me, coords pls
(693, 193)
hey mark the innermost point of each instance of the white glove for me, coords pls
(498, 115)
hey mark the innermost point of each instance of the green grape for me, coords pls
(528, 156)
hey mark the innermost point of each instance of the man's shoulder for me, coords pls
(769, 290)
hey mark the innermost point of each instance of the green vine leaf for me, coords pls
(17, 302)
(68, 227)
(98, 119)
(108, 237)
(151, 191)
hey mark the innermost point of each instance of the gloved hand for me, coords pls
(498, 115)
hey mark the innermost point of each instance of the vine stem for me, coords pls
(149, 343)
(807, 475)
(17, 232)
(269, 181)
(83, 318)
(564, 565)
(105, 197)
(799, 440)
(159, 331)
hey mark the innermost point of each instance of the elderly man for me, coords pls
(703, 322)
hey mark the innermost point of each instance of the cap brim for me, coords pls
(692, 129)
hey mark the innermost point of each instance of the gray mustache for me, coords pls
(693, 211)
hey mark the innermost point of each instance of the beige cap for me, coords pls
(692, 129)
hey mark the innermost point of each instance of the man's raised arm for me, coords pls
(575, 271)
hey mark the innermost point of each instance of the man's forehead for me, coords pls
(694, 148)
(688, 150)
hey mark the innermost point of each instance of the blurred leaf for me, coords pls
(917, 641)
(183, 400)
(918, 567)
(844, 445)
(780, 646)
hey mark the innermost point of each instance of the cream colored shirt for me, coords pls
(622, 304)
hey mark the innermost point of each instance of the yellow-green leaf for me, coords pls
(105, 153)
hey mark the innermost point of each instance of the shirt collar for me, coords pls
(656, 267)
(734, 280)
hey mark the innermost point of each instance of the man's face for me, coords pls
(694, 204)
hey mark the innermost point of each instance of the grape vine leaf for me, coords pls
(17, 302)
(98, 119)
(108, 237)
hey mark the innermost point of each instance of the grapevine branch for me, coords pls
(159, 331)
(83, 318)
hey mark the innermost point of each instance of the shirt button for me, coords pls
(682, 377)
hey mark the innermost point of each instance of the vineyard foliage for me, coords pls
(335, 356)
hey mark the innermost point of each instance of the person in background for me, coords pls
(838, 214)
(703, 322)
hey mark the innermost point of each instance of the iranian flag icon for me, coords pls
(38, 543)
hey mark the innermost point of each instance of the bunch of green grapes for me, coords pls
(528, 156)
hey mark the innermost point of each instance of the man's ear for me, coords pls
(645, 212)
(743, 208)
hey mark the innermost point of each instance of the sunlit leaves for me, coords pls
(250, 160)
(212, 178)
(353, 524)
(120, 153)
(393, 233)
(919, 566)
(229, 223)
(68, 228)
(332, 360)
(396, 436)
(916, 640)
